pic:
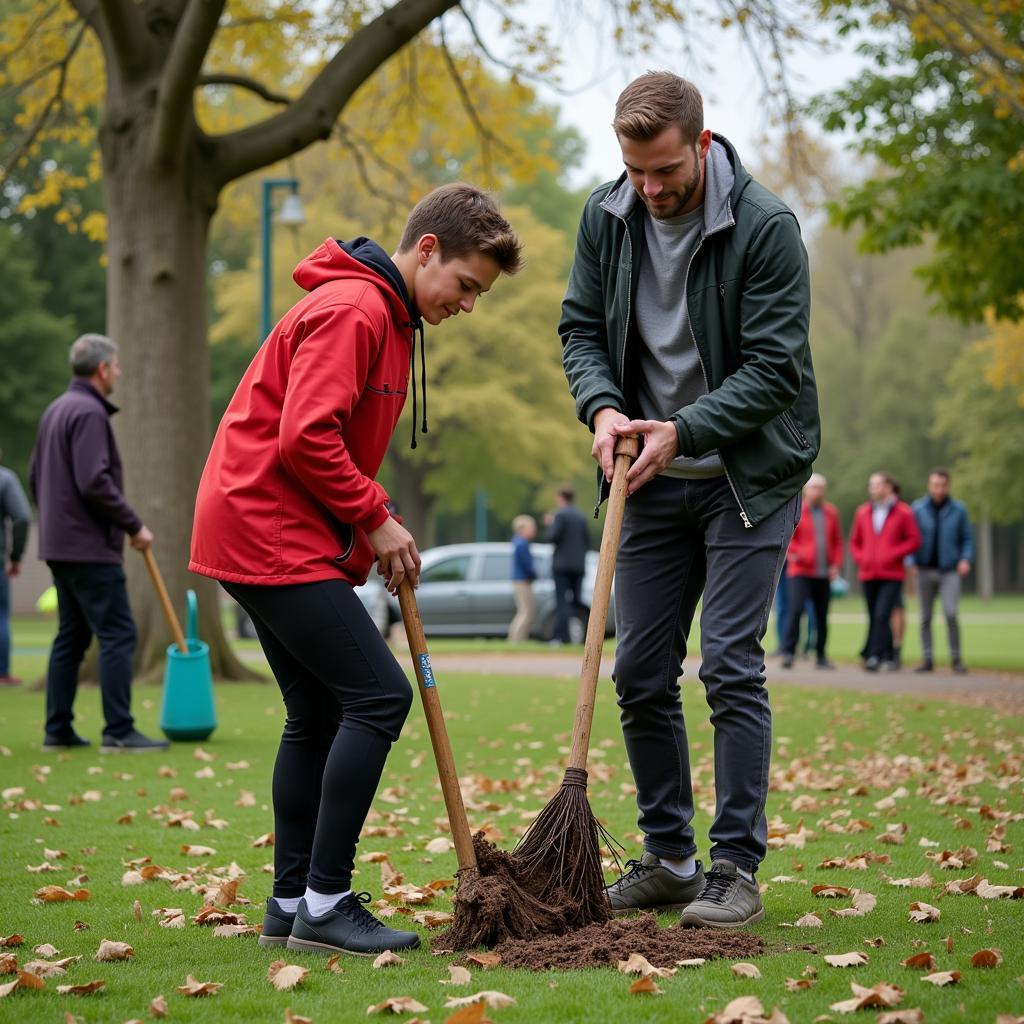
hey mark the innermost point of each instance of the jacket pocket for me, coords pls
(793, 427)
(347, 535)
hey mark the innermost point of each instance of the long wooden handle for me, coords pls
(165, 601)
(625, 452)
(457, 819)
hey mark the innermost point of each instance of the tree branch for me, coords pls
(242, 82)
(126, 31)
(179, 76)
(25, 145)
(311, 117)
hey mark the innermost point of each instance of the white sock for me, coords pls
(685, 868)
(318, 903)
(289, 904)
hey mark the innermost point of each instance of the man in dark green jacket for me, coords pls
(685, 321)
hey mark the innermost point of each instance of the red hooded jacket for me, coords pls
(879, 556)
(288, 493)
(802, 559)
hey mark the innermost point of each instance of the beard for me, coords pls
(674, 203)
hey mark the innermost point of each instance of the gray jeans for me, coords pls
(682, 538)
(946, 585)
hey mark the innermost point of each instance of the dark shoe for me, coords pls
(824, 663)
(649, 885)
(728, 900)
(872, 664)
(348, 928)
(134, 743)
(787, 661)
(277, 925)
(925, 666)
(890, 666)
(959, 668)
(69, 742)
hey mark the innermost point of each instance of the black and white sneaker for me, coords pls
(134, 743)
(649, 885)
(348, 928)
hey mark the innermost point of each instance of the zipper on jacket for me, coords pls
(798, 435)
(747, 524)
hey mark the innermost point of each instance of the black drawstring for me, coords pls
(417, 328)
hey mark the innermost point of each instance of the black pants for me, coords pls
(881, 597)
(567, 598)
(801, 590)
(346, 699)
(92, 600)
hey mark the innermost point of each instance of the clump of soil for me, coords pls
(603, 945)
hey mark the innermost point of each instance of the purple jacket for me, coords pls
(76, 481)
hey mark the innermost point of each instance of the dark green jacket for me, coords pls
(748, 296)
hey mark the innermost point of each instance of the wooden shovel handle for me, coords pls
(435, 725)
(626, 451)
(165, 601)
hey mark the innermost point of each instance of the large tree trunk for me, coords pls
(156, 300)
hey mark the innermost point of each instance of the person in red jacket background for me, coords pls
(884, 533)
(289, 518)
(814, 560)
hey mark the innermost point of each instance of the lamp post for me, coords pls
(291, 214)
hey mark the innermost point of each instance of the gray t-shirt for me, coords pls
(670, 375)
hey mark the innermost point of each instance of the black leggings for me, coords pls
(346, 699)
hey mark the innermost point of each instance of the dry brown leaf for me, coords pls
(987, 958)
(294, 1018)
(880, 995)
(110, 950)
(137, 911)
(190, 850)
(637, 964)
(8, 941)
(696, 961)
(49, 968)
(863, 904)
(743, 970)
(388, 959)
(432, 918)
(334, 964)
(170, 917)
(192, 987)
(914, 1016)
(485, 960)
(439, 845)
(830, 891)
(876, 943)
(854, 959)
(85, 989)
(476, 1013)
(924, 912)
(24, 980)
(808, 921)
(398, 1004)
(495, 1000)
(942, 978)
(920, 962)
(267, 839)
(1009, 1018)
(457, 976)
(234, 931)
(744, 1010)
(286, 976)
(58, 894)
(158, 1007)
(46, 949)
(645, 986)
(8, 963)
(799, 984)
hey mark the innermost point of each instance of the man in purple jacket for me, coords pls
(75, 479)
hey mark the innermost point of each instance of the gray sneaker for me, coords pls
(649, 885)
(728, 900)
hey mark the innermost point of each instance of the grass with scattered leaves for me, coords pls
(847, 768)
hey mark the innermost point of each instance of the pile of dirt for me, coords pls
(603, 945)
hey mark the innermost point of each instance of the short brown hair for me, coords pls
(653, 102)
(465, 220)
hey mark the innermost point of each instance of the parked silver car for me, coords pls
(466, 590)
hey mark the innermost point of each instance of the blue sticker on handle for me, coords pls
(427, 672)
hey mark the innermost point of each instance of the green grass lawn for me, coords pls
(846, 767)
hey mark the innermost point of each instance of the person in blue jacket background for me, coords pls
(524, 529)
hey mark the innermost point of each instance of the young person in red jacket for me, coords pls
(814, 560)
(884, 533)
(290, 518)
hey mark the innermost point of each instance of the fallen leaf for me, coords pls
(914, 1016)
(987, 958)
(942, 978)
(334, 965)
(170, 917)
(110, 950)
(809, 921)
(267, 839)
(388, 959)
(190, 850)
(8, 963)
(696, 961)
(158, 1007)
(863, 904)
(294, 1018)
(473, 1014)
(81, 990)
(830, 891)
(286, 976)
(854, 959)
(23, 980)
(439, 845)
(8, 941)
(799, 984)
(495, 1000)
(398, 1004)
(199, 988)
(743, 970)
(920, 961)
(637, 964)
(880, 995)
(234, 931)
(457, 976)
(432, 918)
(137, 911)
(924, 912)
(645, 985)
(485, 960)
(58, 894)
